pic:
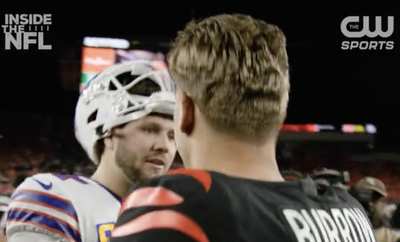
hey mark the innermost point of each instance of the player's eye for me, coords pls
(150, 130)
(171, 136)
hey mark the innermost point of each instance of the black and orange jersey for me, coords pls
(194, 205)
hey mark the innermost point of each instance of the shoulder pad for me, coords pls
(174, 203)
(44, 182)
(199, 176)
(170, 189)
(40, 203)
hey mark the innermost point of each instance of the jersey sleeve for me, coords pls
(169, 208)
(40, 205)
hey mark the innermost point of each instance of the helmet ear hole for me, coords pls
(112, 87)
(131, 105)
(99, 131)
(92, 117)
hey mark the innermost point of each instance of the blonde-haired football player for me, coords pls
(232, 76)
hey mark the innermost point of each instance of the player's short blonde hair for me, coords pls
(235, 68)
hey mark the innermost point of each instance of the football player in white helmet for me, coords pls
(124, 123)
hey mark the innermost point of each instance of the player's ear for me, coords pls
(186, 122)
(284, 104)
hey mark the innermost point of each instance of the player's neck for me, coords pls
(236, 158)
(109, 176)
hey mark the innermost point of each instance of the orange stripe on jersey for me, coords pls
(29, 211)
(45, 220)
(151, 196)
(45, 200)
(200, 175)
(46, 194)
(163, 219)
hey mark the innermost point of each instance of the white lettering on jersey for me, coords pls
(336, 225)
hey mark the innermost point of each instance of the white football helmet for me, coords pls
(106, 103)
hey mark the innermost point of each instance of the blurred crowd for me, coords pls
(32, 142)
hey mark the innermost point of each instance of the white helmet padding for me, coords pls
(106, 103)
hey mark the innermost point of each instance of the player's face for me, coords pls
(145, 148)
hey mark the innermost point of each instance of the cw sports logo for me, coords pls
(359, 29)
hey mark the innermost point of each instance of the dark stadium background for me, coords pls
(329, 85)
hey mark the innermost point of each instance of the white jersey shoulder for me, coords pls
(64, 207)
